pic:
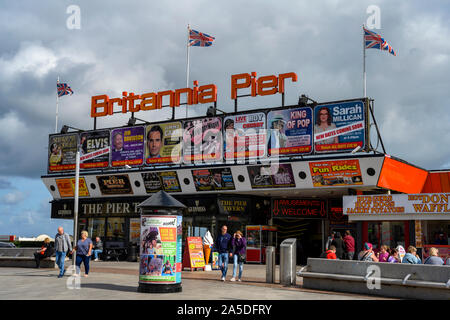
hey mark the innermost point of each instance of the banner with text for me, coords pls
(336, 173)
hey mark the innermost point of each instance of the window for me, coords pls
(96, 228)
(390, 233)
(115, 229)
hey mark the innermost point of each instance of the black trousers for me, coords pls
(38, 257)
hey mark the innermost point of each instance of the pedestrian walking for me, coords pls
(45, 252)
(411, 256)
(349, 243)
(62, 247)
(338, 243)
(383, 254)
(434, 258)
(98, 248)
(223, 247)
(239, 244)
(367, 254)
(84, 251)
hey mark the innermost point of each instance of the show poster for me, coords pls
(66, 187)
(245, 136)
(213, 179)
(160, 249)
(114, 184)
(202, 140)
(135, 230)
(339, 127)
(336, 173)
(95, 148)
(195, 251)
(275, 176)
(163, 143)
(290, 132)
(62, 152)
(157, 181)
(127, 146)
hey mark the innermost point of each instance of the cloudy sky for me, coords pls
(140, 46)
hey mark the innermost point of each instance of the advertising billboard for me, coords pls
(245, 136)
(66, 187)
(163, 143)
(299, 208)
(202, 140)
(290, 131)
(336, 173)
(213, 179)
(95, 149)
(275, 176)
(62, 152)
(115, 184)
(339, 127)
(156, 181)
(127, 146)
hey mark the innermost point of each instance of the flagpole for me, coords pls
(57, 100)
(187, 66)
(364, 65)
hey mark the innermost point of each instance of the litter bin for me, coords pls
(288, 262)
(270, 264)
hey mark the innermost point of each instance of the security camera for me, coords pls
(356, 150)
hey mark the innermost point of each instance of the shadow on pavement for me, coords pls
(111, 287)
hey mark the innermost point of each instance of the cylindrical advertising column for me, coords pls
(160, 244)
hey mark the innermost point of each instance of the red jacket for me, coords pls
(349, 243)
(331, 255)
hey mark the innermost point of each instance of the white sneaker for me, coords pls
(223, 278)
(239, 280)
(95, 259)
(233, 279)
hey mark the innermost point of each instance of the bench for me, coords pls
(23, 257)
(395, 280)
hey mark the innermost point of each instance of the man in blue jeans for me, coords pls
(223, 246)
(62, 245)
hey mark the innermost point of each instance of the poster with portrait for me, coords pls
(339, 127)
(290, 132)
(245, 136)
(62, 152)
(157, 181)
(275, 176)
(163, 143)
(127, 146)
(336, 173)
(160, 249)
(95, 148)
(202, 140)
(213, 179)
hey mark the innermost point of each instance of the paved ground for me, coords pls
(119, 280)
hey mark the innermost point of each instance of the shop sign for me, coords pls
(299, 208)
(213, 179)
(233, 206)
(127, 146)
(66, 187)
(64, 209)
(95, 148)
(200, 206)
(163, 143)
(290, 131)
(115, 184)
(156, 181)
(62, 152)
(426, 203)
(245, 136)
(275, 176)
(160, 249)
(339, 127)
(336, 173)
(202, 140)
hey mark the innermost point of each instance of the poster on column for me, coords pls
(245, 136)
(127, 146)
(202, 140)
(95, 148)
(160, 249)
(62, 152)
(290, 131)
(339, 127)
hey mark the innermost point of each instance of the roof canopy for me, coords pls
(161, 200)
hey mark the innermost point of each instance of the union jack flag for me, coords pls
(63, 89)
(198, 39)
(375, 41)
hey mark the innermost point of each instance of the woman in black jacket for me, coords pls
(339, 244)
(45, 251)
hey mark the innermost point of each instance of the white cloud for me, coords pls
(13, 198)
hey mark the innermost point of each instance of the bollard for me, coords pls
(270, 264)
(288, 262)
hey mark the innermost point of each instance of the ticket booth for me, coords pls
(258, 238)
